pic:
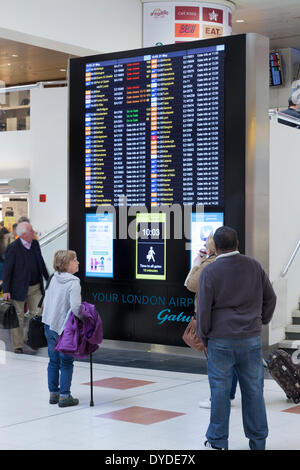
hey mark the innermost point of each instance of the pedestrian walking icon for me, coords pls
(150, 255)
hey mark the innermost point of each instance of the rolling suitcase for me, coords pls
(286, 373)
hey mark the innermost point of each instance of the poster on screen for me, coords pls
(172, 22)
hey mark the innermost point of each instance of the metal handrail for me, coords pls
(287, 267)
(53, 234)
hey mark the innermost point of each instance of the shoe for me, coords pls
(204, 404)
(67, 401)
(54, 398)
(18, 351)
(209, 446)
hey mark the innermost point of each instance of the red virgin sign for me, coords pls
(213, 15)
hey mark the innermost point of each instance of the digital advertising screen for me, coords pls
(156, 164)
(203, 225)
(99, 245)
(151, 246)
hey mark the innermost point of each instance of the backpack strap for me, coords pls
(48, 281)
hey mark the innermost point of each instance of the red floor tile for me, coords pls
(119, 383)
(141, 415)
(294, 409)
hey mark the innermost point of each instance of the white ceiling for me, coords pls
(279, 20)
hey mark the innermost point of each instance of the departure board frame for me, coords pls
(149, 310)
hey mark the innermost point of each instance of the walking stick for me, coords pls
(91, 379)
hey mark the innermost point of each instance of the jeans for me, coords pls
(233, 385)
(243, 356)
(58, 362)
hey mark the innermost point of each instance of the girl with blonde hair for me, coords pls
(62, 297)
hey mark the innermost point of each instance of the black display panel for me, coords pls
(140, 142)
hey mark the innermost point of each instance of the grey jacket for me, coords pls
(235, 298)
(62, 296)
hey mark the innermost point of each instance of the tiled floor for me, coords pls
(134, 408)
(119, 383)
(141, 415)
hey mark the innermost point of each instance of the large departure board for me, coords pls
(156, 164)
(154, 129)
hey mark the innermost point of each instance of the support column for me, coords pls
(170, 22)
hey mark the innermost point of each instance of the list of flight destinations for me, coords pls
(154, 129)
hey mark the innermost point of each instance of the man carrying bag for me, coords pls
(23, 272)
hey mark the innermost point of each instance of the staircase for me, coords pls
(292, 332)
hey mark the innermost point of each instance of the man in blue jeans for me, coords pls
(235, 298)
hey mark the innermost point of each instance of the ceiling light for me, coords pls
(62, 70)
(8, 64)
(240, 21)
(14, 55)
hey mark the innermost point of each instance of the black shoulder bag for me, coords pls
(8, 315)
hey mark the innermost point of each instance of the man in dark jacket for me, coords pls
(235, 298)
(23, 272)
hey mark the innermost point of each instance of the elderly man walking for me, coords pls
(235, 298)
(23, 272)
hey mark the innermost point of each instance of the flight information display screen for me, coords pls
(154, 129)
(275, 69)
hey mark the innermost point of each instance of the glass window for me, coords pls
(15, 111)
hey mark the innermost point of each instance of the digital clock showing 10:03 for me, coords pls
(151, 232)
